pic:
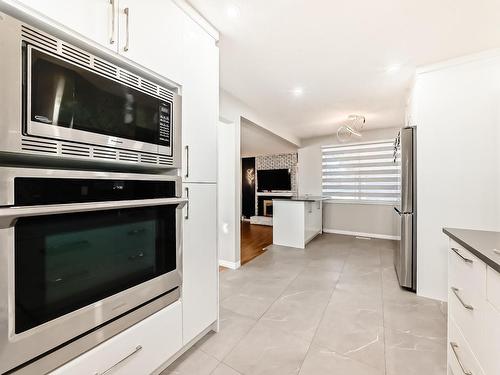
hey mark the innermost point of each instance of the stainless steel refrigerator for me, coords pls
(405, 257)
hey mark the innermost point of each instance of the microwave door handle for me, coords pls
(9, 215)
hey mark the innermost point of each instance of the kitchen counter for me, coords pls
(297, 220)
(483, 244)
(301, 198)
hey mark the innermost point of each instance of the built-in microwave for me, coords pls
(84, 255)
(61, 101)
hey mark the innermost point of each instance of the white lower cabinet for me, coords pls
(139, 350)
(473, 319)
(199, 264)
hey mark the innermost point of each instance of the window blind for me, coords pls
(364, 172)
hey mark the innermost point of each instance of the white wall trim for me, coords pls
(198, 18)
(361, 234)
(484, 55)
(231, 265)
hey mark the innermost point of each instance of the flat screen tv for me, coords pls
(274, 179)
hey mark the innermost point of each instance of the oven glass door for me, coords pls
(69, 97)
(67, 261)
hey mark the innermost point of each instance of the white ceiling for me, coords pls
(338, 52)
(256, 141)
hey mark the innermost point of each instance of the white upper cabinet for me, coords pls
(200, 103)
(151, 35)
(94, 19)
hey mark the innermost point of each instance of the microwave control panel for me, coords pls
(165, 123)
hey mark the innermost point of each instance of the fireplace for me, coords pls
(265, 204)
(268, 207)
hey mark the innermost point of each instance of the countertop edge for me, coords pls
(490, 262)
(291, 199)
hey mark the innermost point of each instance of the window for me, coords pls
(365, 172)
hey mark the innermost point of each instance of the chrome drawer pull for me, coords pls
(454, 347)
(466, 260)
(112, 37)
(136, 350)
(466, 305)
(127, 29)
(187, 161)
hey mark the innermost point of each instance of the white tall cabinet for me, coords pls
(165, 37)
(200, 98)
(200, 114)
(199, 287)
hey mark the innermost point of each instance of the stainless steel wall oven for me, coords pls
(81, 253)
(61, 101)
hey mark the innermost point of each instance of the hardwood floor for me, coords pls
(254, 238)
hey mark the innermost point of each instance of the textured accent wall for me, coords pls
(278, 161)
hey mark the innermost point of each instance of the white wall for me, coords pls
(233, 111)
(456, 108)
(227, 144)
(257, 141)
(366, 219)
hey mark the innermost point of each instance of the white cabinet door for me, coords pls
(200, 105)
(93, 19)
(200, 270)
(151, 35)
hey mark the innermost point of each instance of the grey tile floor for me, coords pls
(333, 308)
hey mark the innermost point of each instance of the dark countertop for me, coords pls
(483, 244)
(301, 198)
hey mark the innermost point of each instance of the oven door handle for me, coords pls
(9, 215)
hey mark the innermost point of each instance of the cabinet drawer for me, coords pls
(461, 359)
(466, 272)
(468, 314)
(493, 288)
(140, 349)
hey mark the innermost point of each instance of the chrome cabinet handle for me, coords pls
(187, 161)
(187, 203)
(454, 347)
(456, 293)
(137, 349)
(112, 37)
(127, 29)
(466, 260)
(9, 215)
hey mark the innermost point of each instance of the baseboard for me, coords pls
(232, 265)
(361, 234)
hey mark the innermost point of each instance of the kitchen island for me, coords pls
(297, 220)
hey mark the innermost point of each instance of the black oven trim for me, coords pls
(39, 191)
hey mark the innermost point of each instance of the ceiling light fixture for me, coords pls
(233, 11)
(298, 91)
(393, 68)
(355, 124)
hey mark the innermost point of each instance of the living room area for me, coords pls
(268, 171)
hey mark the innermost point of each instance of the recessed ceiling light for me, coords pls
(233, 11)
(298, 91)
(393, 68)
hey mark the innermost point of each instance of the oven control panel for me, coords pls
(165, 123)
